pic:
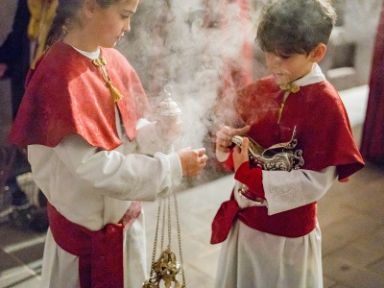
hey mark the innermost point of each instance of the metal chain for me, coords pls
(179, 237)
(163, 225)
(155, 238)
(169, 220)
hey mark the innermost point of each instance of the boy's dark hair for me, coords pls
(295, 26)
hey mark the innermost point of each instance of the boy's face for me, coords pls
(288, 68)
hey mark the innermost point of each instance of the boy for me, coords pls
(277, 243)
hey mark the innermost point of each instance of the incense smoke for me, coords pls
(170, 45)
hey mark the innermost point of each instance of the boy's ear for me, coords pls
(318, 53)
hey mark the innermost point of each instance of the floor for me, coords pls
(351, 217)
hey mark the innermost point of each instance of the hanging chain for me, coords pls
(179, 238)
(166, 267)
(169, 222)
(155, 238)
(162, 236)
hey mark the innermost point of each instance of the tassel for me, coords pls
(116, 95)
(290, 87)
(100, 63)
(97, 62)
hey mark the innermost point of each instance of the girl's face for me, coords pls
(288, 68)
(109, 24)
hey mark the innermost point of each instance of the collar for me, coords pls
(91, 55)
(315, 76)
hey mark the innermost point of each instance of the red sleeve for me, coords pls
(252, 178)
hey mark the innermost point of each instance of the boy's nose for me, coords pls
(274, 59)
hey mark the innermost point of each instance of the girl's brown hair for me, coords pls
(66, 14)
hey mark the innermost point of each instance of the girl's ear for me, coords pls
(318, 53)
(89, 7)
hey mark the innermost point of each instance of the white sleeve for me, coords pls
(222, 156)
(288, 190)
(126, 177)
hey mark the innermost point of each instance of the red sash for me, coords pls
(293, 223)
(100, 252)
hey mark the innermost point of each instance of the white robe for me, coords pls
(93, 188)
(250, 258)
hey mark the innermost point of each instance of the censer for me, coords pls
(281, 156)
(165, 268)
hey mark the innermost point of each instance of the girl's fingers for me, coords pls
(200, 152)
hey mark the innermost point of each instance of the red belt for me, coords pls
(293, 223)
(100, 252)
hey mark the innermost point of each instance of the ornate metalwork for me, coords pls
(165, 269)
(281, 156)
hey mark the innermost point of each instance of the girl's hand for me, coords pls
(225, 134)
(240, 155)
(192, 161)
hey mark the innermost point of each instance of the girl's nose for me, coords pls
(127, 27)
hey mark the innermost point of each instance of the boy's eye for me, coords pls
(285, 56)
(124, 16)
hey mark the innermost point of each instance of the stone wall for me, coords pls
(348, 61)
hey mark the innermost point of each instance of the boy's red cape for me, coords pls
(316, 112)
(66, 94)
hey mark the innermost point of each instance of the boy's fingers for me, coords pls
(243, 130)
(244, 146)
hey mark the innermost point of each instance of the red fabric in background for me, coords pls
(372, 146)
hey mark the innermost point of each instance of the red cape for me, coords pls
(66, 94)
(322, 125)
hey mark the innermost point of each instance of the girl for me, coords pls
(81, 120)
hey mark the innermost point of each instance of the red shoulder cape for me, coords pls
(322, 125)
(66, 94)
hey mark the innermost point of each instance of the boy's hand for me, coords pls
(225, 134)
(240, 155)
